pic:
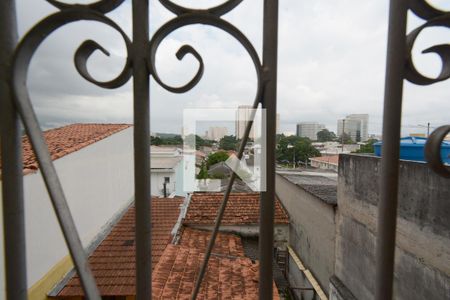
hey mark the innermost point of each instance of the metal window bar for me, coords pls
(400, 66)
(11, 149)
(140, 64)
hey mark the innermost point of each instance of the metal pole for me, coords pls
(141, 92)
(387, 208)
(294, 158)
(223, 205)
(11, 151)
(266, 217)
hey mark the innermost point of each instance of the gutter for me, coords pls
(317, 289)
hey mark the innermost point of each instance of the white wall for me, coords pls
(98, 184)
(157, 181)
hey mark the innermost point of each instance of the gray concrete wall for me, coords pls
(311, 229)
(422, 261)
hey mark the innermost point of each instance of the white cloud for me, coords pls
(331, 63)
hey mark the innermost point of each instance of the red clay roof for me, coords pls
(68, 139)
(332, 159)
(113, 262)
(242, 208)
(226, 278)
(225, 244)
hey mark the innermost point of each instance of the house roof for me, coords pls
(322, 187)
(242, 209)
(66, 140)
(113, 262)
(331, 159)
(220, 168)
(225, 244)
(164, 162)
(163, 148)
(200, 153)
(226, 277)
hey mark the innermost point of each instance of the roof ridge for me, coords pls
(68, 139)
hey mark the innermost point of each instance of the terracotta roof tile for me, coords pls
(225, 244)
(242, 208)
(68, 139)
(226, 278)
(113, 262)
(332, 159)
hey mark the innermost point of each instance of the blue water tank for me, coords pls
(413, 148)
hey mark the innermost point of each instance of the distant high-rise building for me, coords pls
(356, 126)
(351, 127)
(216, 133)
(309, 129)
(364, 118)
(243, 115)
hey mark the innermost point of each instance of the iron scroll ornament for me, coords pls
(433, 18)
(69, 13)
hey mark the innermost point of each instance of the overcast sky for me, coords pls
(331, 63)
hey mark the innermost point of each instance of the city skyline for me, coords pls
(316, 70)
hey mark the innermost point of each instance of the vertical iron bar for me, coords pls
(11, 152)
(387, 208)
(141, 104)
(266, 217)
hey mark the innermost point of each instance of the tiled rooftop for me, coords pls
(164, 162)
(226, 278)
(68, 139)
(242, 209)
(324, 188)
(225, 244)
(332, 159)
(113, 262)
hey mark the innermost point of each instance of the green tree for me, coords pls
(292, 146)
(166, 139)
(203, 174)
(368, 147)
(216, 157)
(345, 138)
(326, 136)
(228, 142)
(156, 140)
(199, 142)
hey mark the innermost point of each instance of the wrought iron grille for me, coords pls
(140, 64)
(400, 66)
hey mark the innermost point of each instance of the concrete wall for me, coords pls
(311, 230)
(157, 181)
(422, 261)
(98, 183)
(176, 181)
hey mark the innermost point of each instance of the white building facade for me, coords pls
(98, 182)
(356, 126)
(166, 166)
(216, 133)
(243, 115)
(309, 129)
